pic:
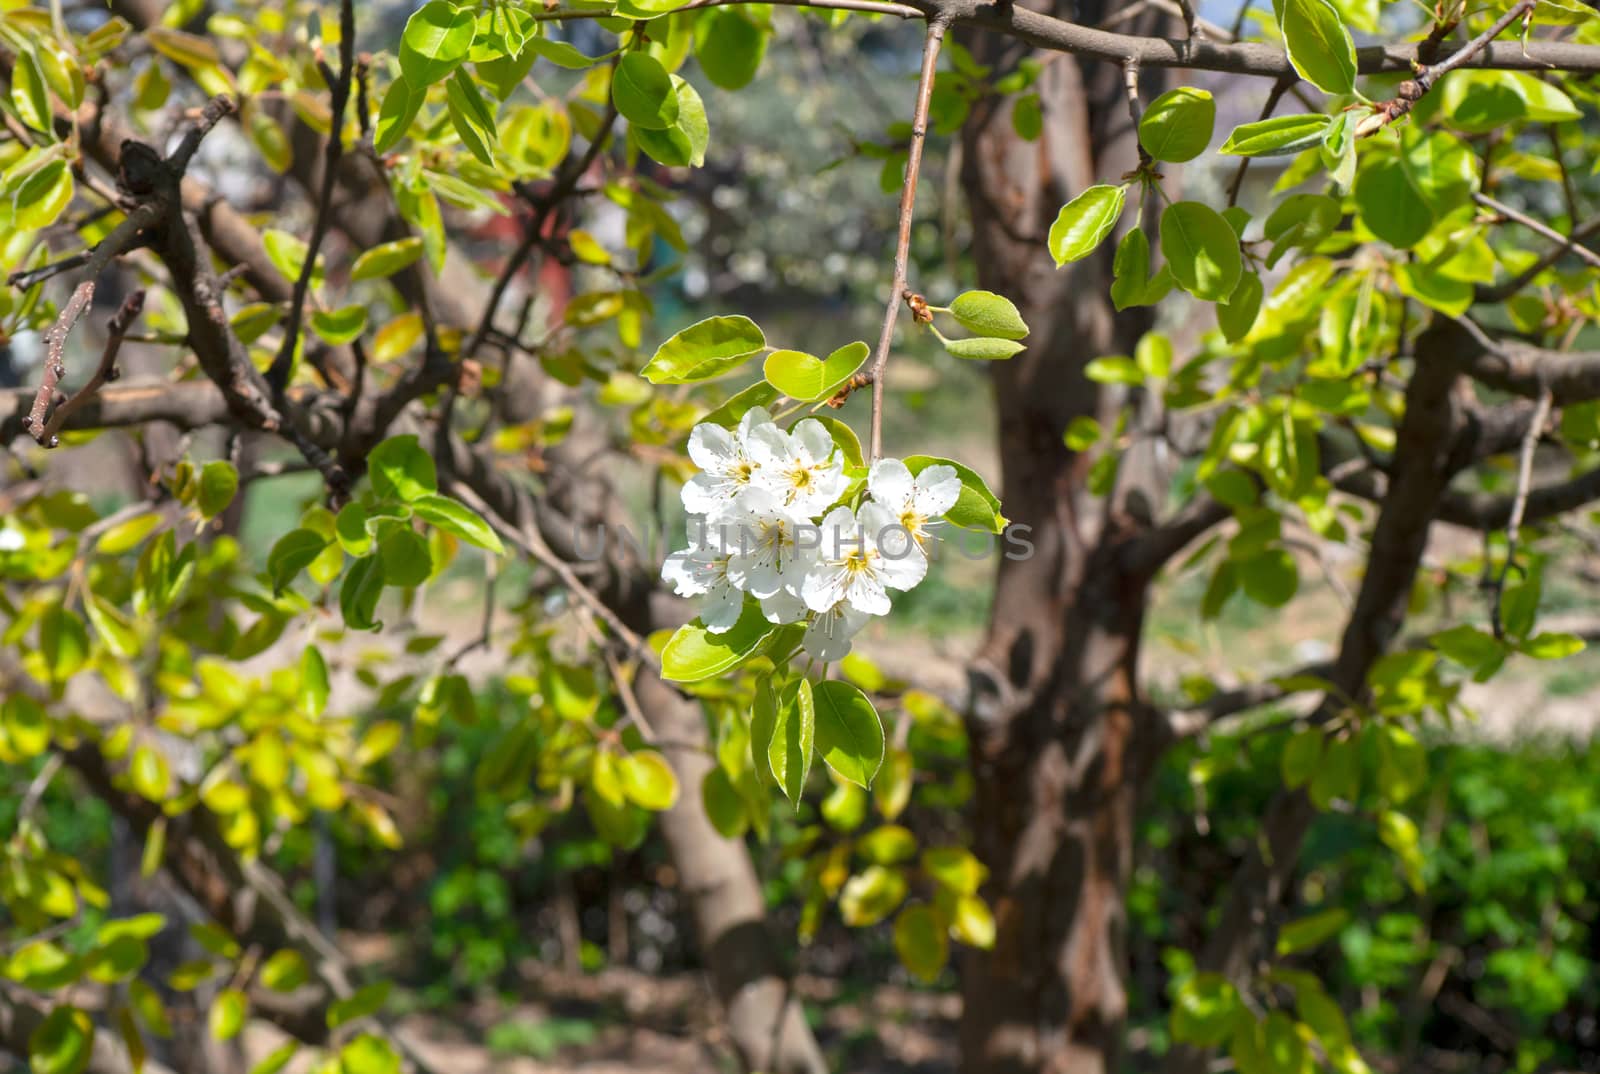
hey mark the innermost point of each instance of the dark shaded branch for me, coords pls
(116, 331)
(1520, 369)
(278, 372)
(1191, 721)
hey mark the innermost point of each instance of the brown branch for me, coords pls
(116, 331)
(908, 203)
(278, 371)
(1538, 227)
(1565, 244)
(1409, 92)
(1569, 376)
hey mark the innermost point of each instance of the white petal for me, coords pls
(938, 489)
(768, 447)
(754, 418)
(840, 534)
(721, 608)
(679, 570)
(704, 494)
(903, 572)
(823, 586)
(828, 637)
(712, 447)
(865, 593)
(783, 607)
(878, 521)
(891, 484)
(812, 437)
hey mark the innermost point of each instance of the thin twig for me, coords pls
(1538, 227)
(1409, 92)
(116, 333)
(908, 203)
(529, 540)
(1130, 84)
(1519, 505)
(278, 372)
(1566, 244)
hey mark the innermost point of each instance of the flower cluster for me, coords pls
(769, 523)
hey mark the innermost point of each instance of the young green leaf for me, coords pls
(983, 349)
(807, 378)
(401, 468)
(219, 482)
(400, 106)
(1084, 222)
(849, 734)
(293, 553)
(340, 326)
(1177, 125)
(787, 752)
(1201, 249)
(457, 518)
(695, 653)
(1275, 137)
(729, 45)
(1319, 45)
(704, 350)
(984, 313)
(648, 781)
(977, 508)
(683, 142)
(436, 39)
(643, 92)
(359, 593)
(921, 940)
(471, 116)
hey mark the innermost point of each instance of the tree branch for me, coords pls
(898, 292)
(278, 372)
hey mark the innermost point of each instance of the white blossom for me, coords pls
(783, 608)
(916, 502)
(764, 539)
(701, 570)
(828, 636)
(727, 465)
(803, 468)
(862, 555)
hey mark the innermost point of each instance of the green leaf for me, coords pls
(643, 92)
(457, 518)
(704, 350)
(400, 106)
(471, 117)
(871, 895)
(888, 845)
(367, 1054)
(729, 45)
(1552, 646)
(114, 628)
(806, 378)
(1237, 316)
(359, 593)
(793, 733)
(285, 971)
(1270, 578)
(956, 869)
(1278, 136)
(849, 733)
(560, 53)
(63, 1043)
(343, 325)
(386, 259)
(1301, 756)
(404, 555)
(648, 781)
(983, 350)
(1390, 205)
(695, 653)
(63, 643)
(1114, 369)
(921, 941)
(226, 1016)
(28, 94)
(293, 553)
(984, 313)
(1308, 932)
(126, 536)
(219, 481)
(1133, 285)
(1084, 222)
(977, 508)
(288, 255)
(1201, 249)
(402, 469)
(1319, 45)
(436, 39)
(1204, 1010)
(364, 1003)
(313, 681)
(1177, 125)
(683, 143)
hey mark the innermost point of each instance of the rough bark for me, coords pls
(1061, 742)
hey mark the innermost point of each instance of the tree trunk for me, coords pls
(1061, 743)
